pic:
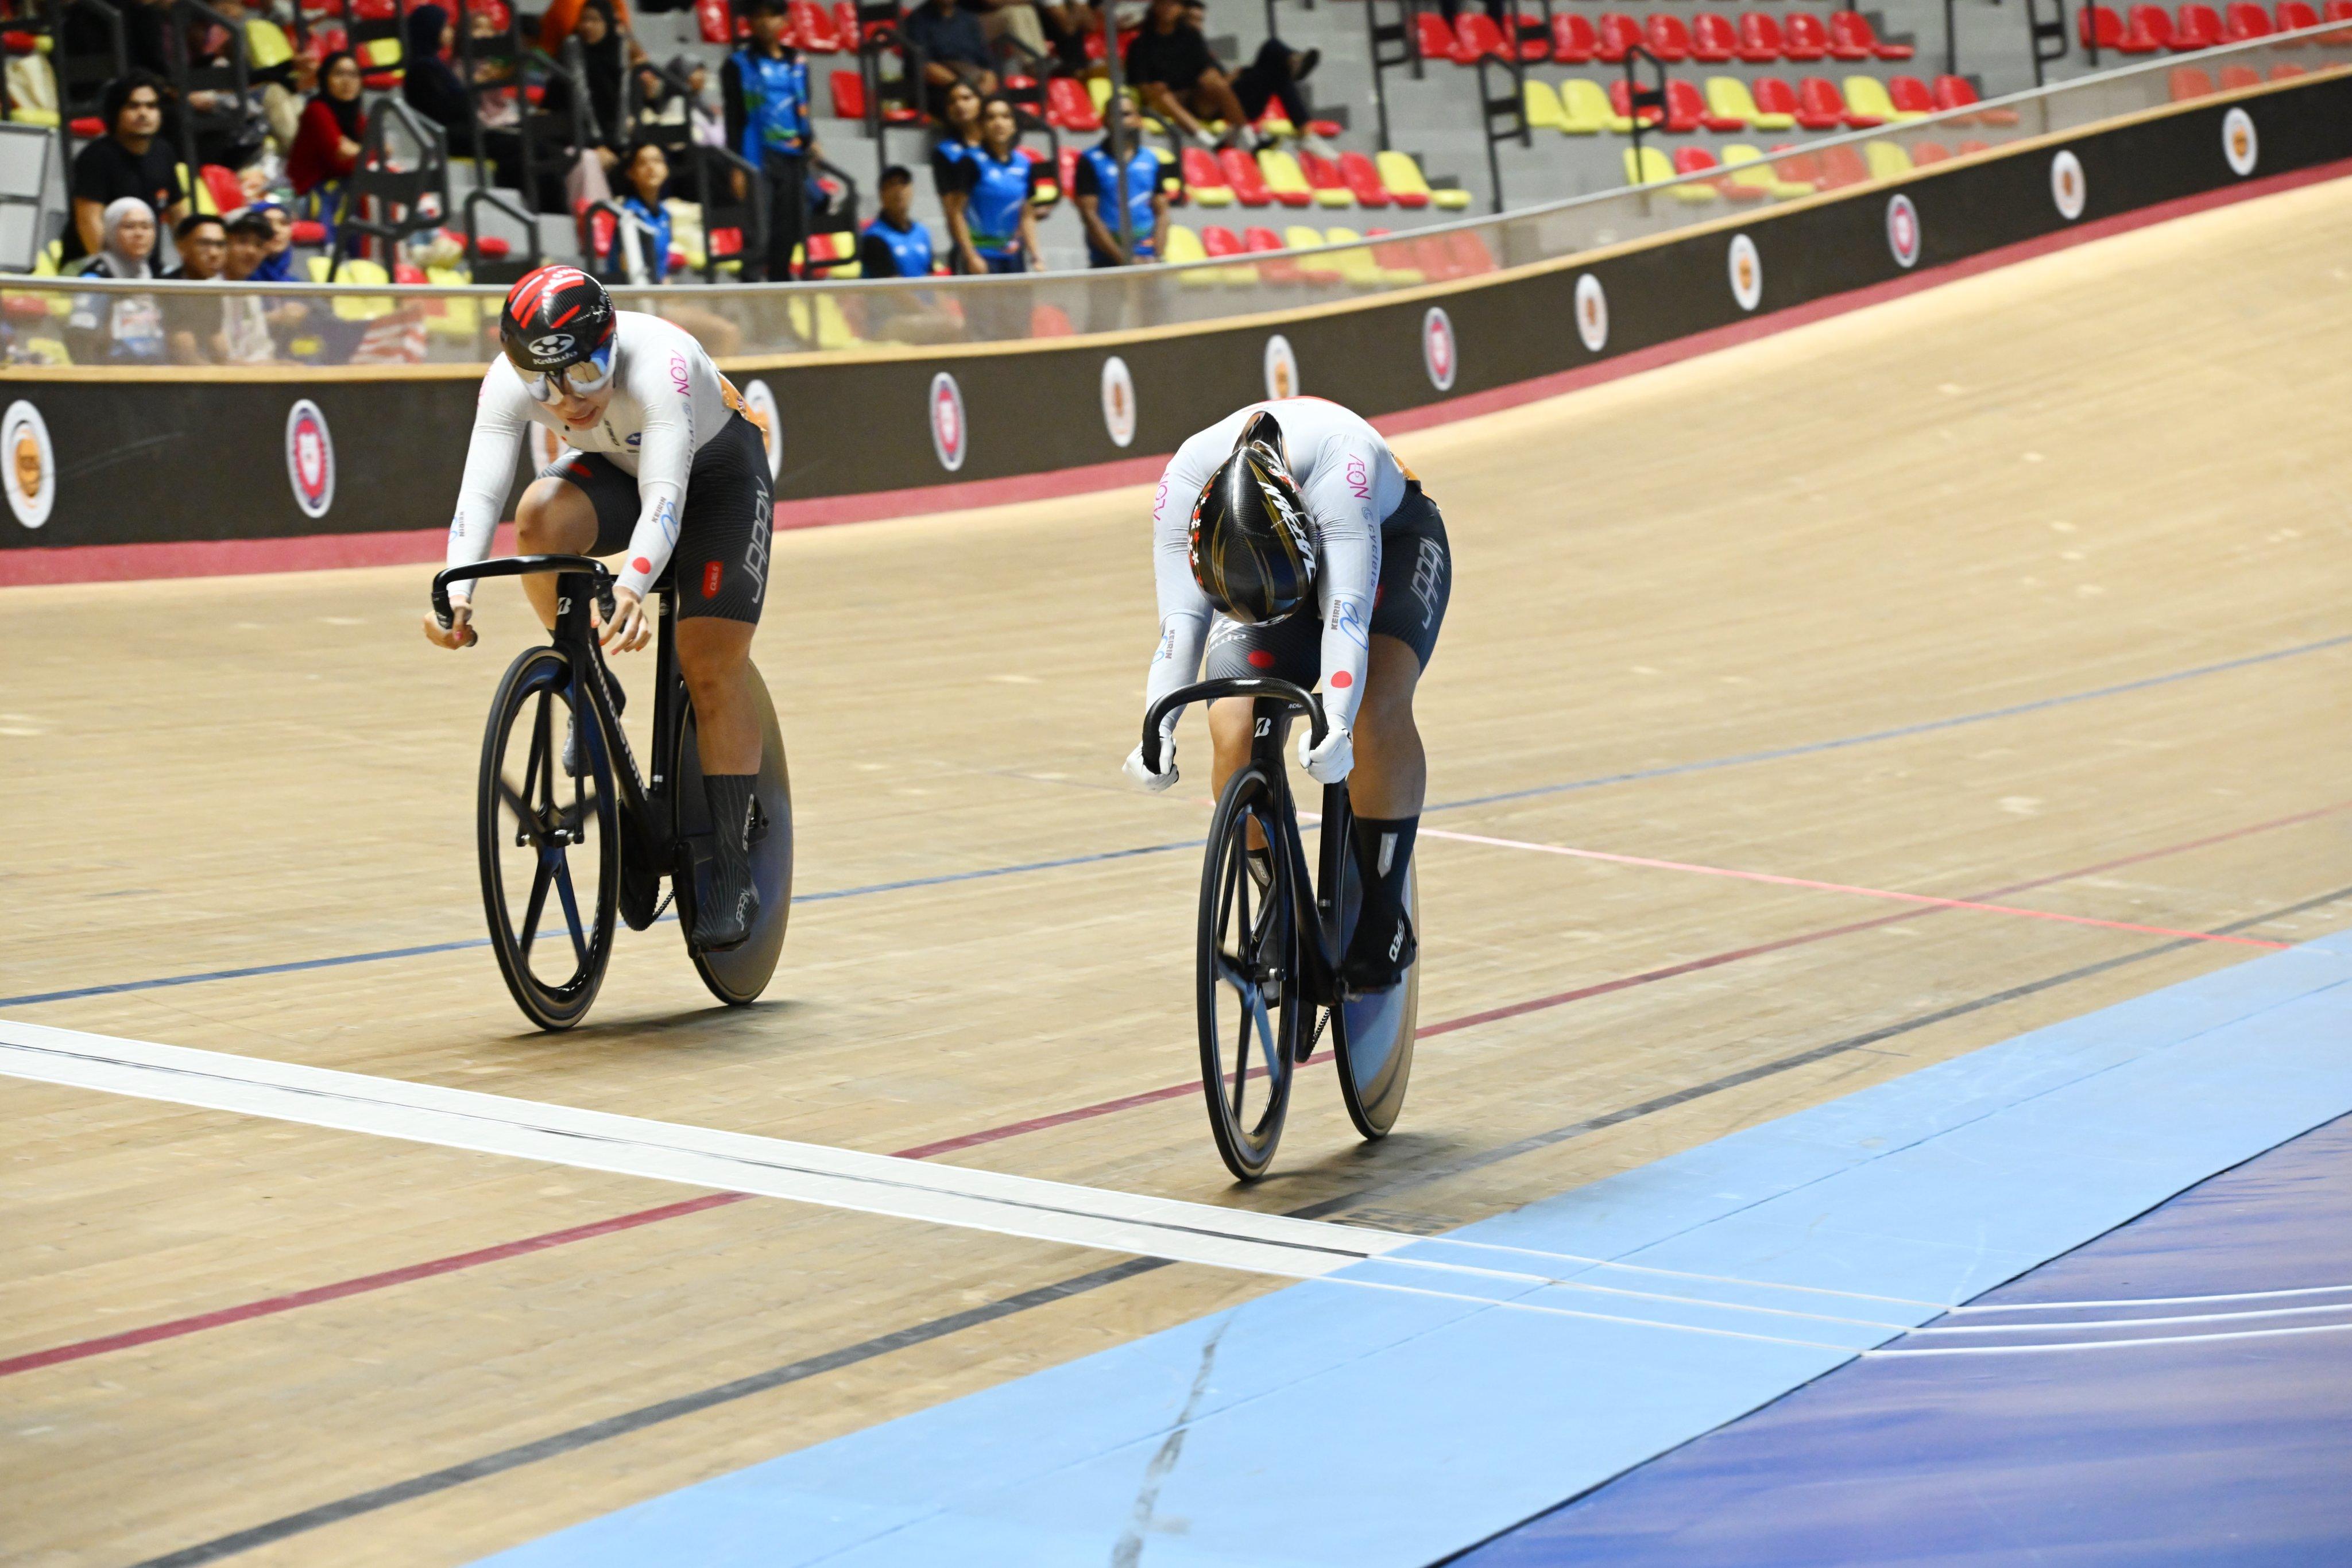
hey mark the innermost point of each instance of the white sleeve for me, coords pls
(1338, 495)
(1183, 609)
(499, 419)
(664, 461)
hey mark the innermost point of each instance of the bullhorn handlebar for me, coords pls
(519, 566)
(1263, 687)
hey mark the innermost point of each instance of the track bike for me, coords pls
(566, 825)
(1271, 940)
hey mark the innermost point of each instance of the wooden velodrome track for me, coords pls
(1992, 540)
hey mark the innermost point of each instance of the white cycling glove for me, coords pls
(1142, 775)
(1327, 763)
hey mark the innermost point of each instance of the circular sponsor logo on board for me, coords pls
(1281, 368)
(1591, 314)
(1747, 269)
(2238, 143)
(32, 464)
(1902, 231)
(1117, 401)
(2068, 187)
(310, 458)
(760, 407)
(949, 439)
(1440, 355)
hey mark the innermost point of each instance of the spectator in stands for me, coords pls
(958, 139)
(201, 240)
(277, 75)
(327, 148)
(555, 23)
(251, 322)
(1098, 181)
(130, 159)
(1042, 29)
(119, 327)
(1169, 65)
(894, 245)
(1274, 75)
(606, 52)
(641, 240)
(954, 49)
(990, 212)
(765, 85)
(277, 263)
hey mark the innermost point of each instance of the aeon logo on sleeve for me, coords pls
(950, 438)
(310, 458)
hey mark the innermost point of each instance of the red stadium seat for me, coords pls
(1621, 103)
(1796, 168)
(1851, 30)
(1667, 38)
(1323, 175)
(1259, 240)
(2283, 71)
(1436, 40)
(812, 28)
(848, 95)
(1242, 173)
(1619, 33)
(2196, 28)
(1219, 240)
(1969, 148)
(2150, 25)
(1820, 106)
(2233, 77)
(2337, 11)
(1803, 39)
(1700, 160)
(1712, 40)
(221, 184)
(1957, 92)
(1469, 254)
(1761, 43)
(2293, 16)
(2246, 21)
(1202, 173)
(1910, 95)
(1573, 40)
(1476, 38)
(2099, 27)
(1925, 153)
(2186, 82)
(1069, 107)
(1843, 165)
(1686, 111)
(1363, 177)
(1774, 96)
(715, 23)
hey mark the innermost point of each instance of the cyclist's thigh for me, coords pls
(610, 491)
(1416, 575)
(721, 560)
(1289, 649)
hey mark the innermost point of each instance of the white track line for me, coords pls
(2112, 1344)
(699, 1156)
(2156, 1301)
(2135, 1322)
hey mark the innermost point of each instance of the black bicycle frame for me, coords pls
(650, 833)
(1275, 699)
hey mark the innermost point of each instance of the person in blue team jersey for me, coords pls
(641, 243)
(766, 90)
(1096, 189)
(894, 245)
(992, 198)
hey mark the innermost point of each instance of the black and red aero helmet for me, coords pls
(559, 327)
(1252, 548)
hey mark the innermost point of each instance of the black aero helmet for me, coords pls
(558, 328)
(1253, 549)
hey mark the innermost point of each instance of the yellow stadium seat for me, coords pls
(1362, 265)
(1449, 198)
(356, 269)
(1284, 177)
(1314, 269)
(1588, 108)
(1867, 95)
(829, 328)
(1654, 170)
(1401, 175)
(1184, 246)
(457, 315)
(1759, 174)
(1887, 161)
(1098, 88)
(1729, 98)
(1543, 109)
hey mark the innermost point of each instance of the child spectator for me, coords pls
(118, 328)
(954, 46)
(201, 240)
(1099, 179)
(765, 85)
(130, 159)
(641, 240)
(990, 212)
(327, 148)
(894, 245)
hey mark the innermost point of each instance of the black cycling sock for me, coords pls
(1383, 851)
(729, 795)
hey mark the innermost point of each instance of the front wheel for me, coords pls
(549, 841)
(1251, 997)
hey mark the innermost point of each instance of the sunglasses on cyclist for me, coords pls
(584, 378)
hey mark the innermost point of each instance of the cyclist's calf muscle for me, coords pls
(554, 518)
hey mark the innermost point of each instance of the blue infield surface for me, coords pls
(1345, 1422)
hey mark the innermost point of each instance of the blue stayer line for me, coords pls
(1400, 1410)
(1665, 771)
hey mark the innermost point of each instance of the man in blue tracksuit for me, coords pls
(894, 245)
(1099, 185)
(766, 89)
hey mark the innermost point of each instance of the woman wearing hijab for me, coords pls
(604, 62)
(276, 264)
(327, 148)
(119, 327)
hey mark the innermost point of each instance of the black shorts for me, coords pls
(1416, 580)
(720, 563)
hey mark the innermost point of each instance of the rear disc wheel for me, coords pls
(738, 975)
(1371, 1036)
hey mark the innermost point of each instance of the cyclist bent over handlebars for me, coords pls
(658, 462)
(1280, 507)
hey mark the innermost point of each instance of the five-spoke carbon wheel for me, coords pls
(550, 842)
(1252, 997)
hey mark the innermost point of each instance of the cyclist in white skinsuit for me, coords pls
(1277, 504)
(660, 463)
